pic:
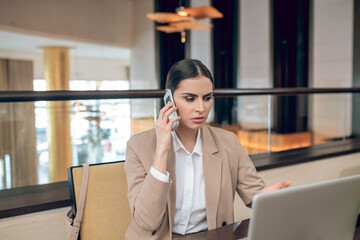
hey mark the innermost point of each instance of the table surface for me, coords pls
(239, 230)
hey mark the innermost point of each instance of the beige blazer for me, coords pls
(227, 169)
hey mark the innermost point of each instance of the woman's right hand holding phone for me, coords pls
(163, 136)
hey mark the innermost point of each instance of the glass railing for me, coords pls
(43, 133)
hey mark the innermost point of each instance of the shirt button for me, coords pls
(153, 233)
(223, 223)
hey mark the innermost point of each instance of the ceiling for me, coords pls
(13, 41)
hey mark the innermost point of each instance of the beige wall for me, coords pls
(143, 66)
(108, 23)
(81, 68)
(200, 41)
(331, 63)
(51, 224)
(254, 42)
(87, 26)
(254, 61)
(332, 43)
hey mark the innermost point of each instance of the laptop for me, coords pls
(325, 210)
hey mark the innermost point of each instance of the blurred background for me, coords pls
(92, 45)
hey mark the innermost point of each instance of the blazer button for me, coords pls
(223, 223)
(153, 233)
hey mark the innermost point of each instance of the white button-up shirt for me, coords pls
(190, 209)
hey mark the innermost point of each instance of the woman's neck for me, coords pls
(187, 137)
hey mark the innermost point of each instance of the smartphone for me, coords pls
(169, 98)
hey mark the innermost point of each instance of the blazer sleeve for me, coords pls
(249, 183)
(147, 196)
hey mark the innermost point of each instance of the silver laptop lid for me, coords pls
(325, 210)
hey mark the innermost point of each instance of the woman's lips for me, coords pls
(198, 119)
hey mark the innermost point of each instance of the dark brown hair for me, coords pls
(185, 69)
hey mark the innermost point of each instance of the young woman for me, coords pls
(184, 181)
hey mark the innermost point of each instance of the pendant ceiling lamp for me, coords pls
(185, 19)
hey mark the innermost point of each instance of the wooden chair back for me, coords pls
(107, 213)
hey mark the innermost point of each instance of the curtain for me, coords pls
(17, 124)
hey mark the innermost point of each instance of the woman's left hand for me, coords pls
(276, 186)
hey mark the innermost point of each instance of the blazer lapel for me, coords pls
(172, 192)
(212, 176)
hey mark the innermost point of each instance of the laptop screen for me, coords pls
(324, 210)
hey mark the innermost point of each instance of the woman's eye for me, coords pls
(189, 99)
(208, 98)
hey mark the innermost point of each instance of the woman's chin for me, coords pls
(191, 126)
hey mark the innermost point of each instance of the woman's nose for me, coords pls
(200, 106)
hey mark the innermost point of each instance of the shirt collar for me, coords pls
(177, 144)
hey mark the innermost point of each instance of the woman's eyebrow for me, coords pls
(189, 94)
